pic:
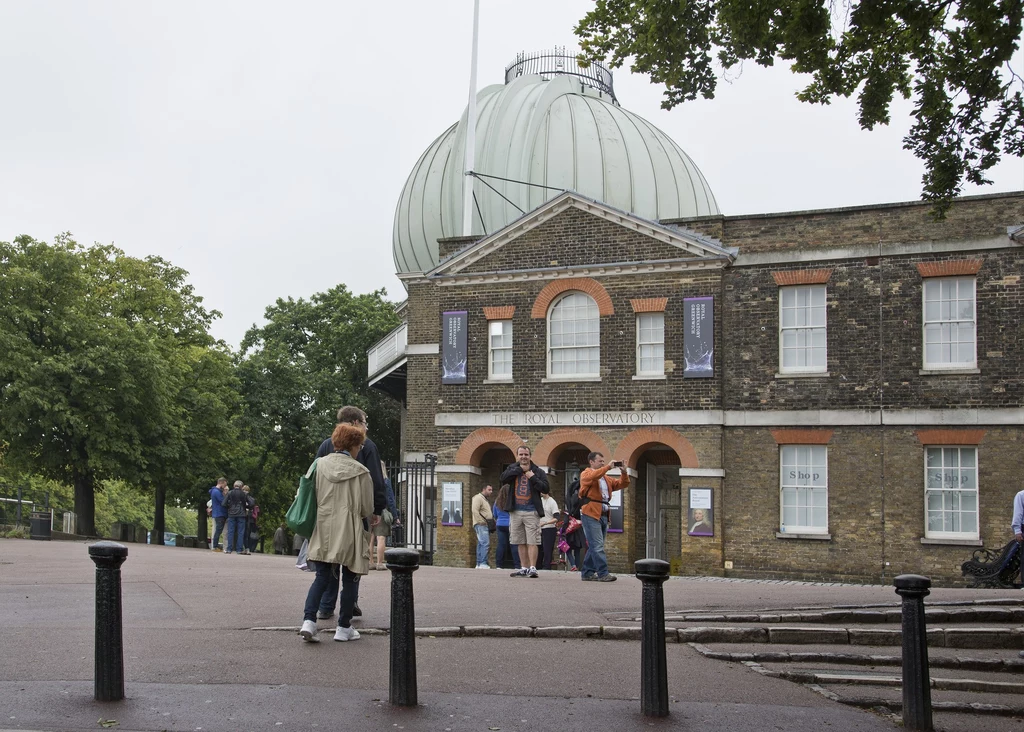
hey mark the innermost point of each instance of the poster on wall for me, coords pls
(451, 504)
(700, 521)
(615, 512)
(699, 337)
(453, 348)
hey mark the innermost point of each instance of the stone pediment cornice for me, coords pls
(597, 270)
(688, 242)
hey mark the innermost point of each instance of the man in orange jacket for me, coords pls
(596, 490)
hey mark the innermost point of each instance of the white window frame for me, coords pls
(491, 349)
(812, 320)
(949, 473)
(814, 462)
(658, 319)
(944, 324)
(575, 376)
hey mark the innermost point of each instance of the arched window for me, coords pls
(574, 337)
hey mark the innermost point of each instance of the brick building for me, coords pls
(838, 393)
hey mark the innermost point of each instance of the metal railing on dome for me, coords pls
(559, 61)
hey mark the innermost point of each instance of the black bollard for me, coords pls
(917, 694)
(109, 653)
(402, 689)
(653, 666)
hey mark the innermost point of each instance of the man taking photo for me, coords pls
(596, 490)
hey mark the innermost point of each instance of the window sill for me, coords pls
(802, 375)
(948, 372)
(568, 379)
(953, 542)
(812, 537)
(498, 381)
(662, 377)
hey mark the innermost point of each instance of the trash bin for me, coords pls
(40, 524)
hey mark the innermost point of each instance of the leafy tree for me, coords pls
(308, 360)
(951, 56)
(99, 349)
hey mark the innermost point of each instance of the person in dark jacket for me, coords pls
(526, 482)
(236, 502)
(217, 511)
(370, 459)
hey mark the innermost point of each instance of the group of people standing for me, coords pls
(238, 510)
(526, 518)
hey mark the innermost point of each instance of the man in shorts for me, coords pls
(525, 483)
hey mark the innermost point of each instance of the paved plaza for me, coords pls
(210, 644)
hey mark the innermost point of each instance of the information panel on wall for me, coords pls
(451, 504)
(700, 521)
(699, 337)
(453, 348)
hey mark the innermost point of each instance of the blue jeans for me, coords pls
(218, 527)
(330, 592)
(483, 543)
(328, 575)
(503, 551)
(236, 530)
(596, 562)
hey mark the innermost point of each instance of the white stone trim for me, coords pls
(803, 418)
(602, 270)
(948, 372)
(957, 417)
(422, 349)
(862, 251)
(644, 418)
(953, 542)
(457, 469)
(737, 418)
(416, 457)
(701, 473)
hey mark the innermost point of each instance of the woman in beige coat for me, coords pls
(344, 498)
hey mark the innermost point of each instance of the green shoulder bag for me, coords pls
(301, 517)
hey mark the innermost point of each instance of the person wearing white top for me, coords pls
(548, 530)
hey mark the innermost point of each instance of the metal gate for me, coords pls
(416, 495)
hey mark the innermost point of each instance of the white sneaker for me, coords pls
(309, 631)
(483, 566)
(346, 634)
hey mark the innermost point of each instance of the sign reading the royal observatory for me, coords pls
(454, 349)
(699, 337)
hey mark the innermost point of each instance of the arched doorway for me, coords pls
(659, 516)
(564, 452)
(657, 454)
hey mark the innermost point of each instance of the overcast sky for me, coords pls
(262, 145)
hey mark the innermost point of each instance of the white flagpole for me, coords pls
(470, 151)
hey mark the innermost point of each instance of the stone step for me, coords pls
(832, 616)
(936, 659)
(943, 704)
(809, 676)
(1011, 638)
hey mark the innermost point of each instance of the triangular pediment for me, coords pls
(571, 231)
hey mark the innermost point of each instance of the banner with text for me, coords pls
(699, 337)
(453, 353)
